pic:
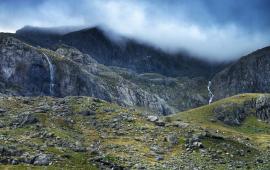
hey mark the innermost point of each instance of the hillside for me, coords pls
(66, 71)
(243, 117)
(88, 133)
(31, 71)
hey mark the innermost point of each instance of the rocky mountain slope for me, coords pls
(250, 74)
(88, 133)
(30, 71)
(120, 51)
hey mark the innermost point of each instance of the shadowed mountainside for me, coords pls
(123, 52)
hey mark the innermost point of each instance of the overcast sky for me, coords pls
(212, 29)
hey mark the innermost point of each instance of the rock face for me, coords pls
(248, 75)
(27, 71)
(263, 107)
(234, 114)
(132, 74)
(24, 70)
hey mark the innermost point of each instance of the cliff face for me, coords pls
(24, 70)
(30, 71)
(248, 75)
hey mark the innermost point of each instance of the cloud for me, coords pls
(216, 31)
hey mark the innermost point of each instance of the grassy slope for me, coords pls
(132, 136)
(125, 143)
(256, 130)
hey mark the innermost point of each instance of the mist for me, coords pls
(211, 30)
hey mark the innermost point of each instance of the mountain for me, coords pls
(88, 133)
(30, 71)
(123, 52)
(78, 73)
(250, 74)
(89, 99)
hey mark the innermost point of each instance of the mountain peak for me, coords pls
(48, 30)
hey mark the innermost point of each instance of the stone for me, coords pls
(14, 162)
(198, 145)
(159, 158)
(160, 123)
(2, 125)
(172, 139)
(24, 119)
(87, 113)
(97, 100)
(2, 110)
(179, 124)
(152, 118)
(42, 159)
(259, 160)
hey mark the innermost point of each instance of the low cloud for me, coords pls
(215, 32)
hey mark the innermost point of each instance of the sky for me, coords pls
(215, 30)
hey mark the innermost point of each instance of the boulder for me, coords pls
(172, 139)
(42, 159)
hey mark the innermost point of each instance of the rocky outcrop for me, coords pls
(262, 106)
(248, 75)
(235, 113)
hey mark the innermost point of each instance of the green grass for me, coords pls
(256, 130)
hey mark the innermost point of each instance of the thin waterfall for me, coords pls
(211, 95)
(51, 74)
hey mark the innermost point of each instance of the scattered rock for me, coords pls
(178, 124)
(2, 110)
(87, 113)
(159, 158)
(152, 118)
(259, 161)
(42, 159)
(160, 123)
(2, 124)
(24, 119)
(172, 139)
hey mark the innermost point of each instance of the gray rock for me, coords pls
(152, 118)
(172, 139)
(179, 124)
(14, 162)
(159, 158)
(2, 124)
(160, 123)
(24, 119)
(42, 159)
(87, 113)
(259, 160)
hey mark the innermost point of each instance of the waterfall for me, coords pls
(211, 95)
(51, 74)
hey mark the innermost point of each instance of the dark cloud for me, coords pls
(211, 29)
